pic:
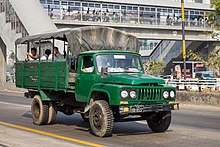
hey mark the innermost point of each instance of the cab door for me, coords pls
(84, 78)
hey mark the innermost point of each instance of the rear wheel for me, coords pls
(160, 122)
(39, 111)
(101, 119)
(52, 113)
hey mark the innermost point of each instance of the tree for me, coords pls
(214, 17)
(213, 60)
(154, 67)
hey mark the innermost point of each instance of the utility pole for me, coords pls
(183, 38)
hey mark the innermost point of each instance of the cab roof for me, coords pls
(108, 52)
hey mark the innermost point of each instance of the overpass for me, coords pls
(144, 31)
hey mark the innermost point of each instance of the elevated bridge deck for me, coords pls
(145, 31)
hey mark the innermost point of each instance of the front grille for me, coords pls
(150, 94)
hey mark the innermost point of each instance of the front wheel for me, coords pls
(101, 119)
(160, 121)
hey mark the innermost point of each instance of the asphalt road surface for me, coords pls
(191, 126)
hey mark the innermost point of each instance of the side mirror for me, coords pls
(104, 72)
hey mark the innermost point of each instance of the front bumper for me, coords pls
(138, 109)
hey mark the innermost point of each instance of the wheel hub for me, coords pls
(97, 119)
(36, 111)
(157, 119)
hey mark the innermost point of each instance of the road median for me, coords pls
(200, 98)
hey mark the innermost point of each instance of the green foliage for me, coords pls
(154, 67)
(214, 17)
(213, 58)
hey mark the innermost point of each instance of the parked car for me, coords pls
(204, 75)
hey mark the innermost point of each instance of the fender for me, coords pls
(112, 90)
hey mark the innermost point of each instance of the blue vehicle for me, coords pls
(204, 75)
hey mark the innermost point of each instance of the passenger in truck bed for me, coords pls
(57, 55)
(33, 55)
(46, 54)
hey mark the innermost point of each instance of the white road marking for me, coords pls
(13, 104)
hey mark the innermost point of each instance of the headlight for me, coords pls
(165, 94)
(133, 94)
(124, 94)
(172, 94)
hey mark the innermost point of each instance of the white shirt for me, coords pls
(36, 56)
(55, 57)
(45, 57)
(89, 69)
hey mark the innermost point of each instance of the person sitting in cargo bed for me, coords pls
(33, 55)
(57, 55)
(46, 54)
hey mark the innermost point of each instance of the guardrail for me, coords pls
(80, 11)
(196, 85)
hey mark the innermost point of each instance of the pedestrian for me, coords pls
(167, 20)
(51, 13)
(63, 13)
(196, 21)
(151, 20)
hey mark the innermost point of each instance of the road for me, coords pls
(192, 125)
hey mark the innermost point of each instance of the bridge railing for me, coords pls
(79, 13)
(196, 85)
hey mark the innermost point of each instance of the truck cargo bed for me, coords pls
(44, 75)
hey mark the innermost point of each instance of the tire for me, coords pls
(84, 118)
(39, 111)
(52, 113)
(101, 119)
(160, 122)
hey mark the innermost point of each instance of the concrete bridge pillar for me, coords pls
(2, 61)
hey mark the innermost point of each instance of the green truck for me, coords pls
(100, 76)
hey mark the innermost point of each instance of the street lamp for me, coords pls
(183, 38)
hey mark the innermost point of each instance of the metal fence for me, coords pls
(196, 85)
(129, 14)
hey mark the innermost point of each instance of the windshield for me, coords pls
(119, 63)
(207, 75)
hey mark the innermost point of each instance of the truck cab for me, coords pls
(103, 85)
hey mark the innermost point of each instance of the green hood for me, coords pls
(133, 79)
